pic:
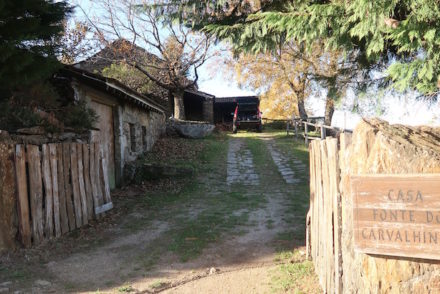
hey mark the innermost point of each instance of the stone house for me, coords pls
(198, 105)
(128, 123)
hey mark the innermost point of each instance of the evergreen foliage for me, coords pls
(404, 32)
(28, 33)
(48, 104)
(31, 33)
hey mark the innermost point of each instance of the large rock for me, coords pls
(380, 148)
(192, 129)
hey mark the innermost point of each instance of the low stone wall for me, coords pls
(38, 136)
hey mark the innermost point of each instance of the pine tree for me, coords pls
(29, 30)
(401, 35)
(240, 23)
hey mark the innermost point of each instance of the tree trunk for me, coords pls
(302, 109)
(179, 108)
(329, 110)
(170, 104)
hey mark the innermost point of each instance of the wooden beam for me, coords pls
(23, 197)
(55, 189)
(36, 192)
(47, 180)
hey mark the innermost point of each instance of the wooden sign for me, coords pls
(397, 215)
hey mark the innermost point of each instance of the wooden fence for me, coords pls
(324, 217)
(303, 127)
(60, 187)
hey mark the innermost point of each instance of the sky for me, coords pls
(395, 108)
(211, 81)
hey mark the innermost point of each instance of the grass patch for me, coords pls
(202, 211)
(269, 224)
(295, 274)
(295, 147)
(222, 216)
(157, 285)
(14, 274)
(126, 289)
(259, 151)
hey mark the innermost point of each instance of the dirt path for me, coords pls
(230, 231)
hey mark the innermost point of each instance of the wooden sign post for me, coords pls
(397, 215)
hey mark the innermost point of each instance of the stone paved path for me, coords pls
(240, 164)
(282, 163)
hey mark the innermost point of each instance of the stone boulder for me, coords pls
(192, 129)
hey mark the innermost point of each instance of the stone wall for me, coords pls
(379, 148)
(136, 129)
(147, 127)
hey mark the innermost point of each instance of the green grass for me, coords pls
(259, 151)
(158, 285)
(222, 216)
(16, 274)
(296, 147)
(222, 210)
(295, 274)
(126, 289)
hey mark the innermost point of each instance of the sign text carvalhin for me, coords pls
(397, 215)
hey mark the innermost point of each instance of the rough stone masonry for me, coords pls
(380, 148)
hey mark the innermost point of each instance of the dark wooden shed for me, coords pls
(224, 107)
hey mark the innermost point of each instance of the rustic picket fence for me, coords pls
(324, 220)
(60, 187)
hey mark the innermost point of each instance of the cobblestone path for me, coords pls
(240, 164)
(290, 175)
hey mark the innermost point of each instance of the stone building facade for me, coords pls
(128, 123)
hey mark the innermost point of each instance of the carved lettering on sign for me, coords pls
(397, 215)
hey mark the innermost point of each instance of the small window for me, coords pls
(144, 137)
(132, 137)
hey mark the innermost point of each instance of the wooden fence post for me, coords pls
(62, 191)
(296, 129)
(55, 189)
(75, 185)
(68, 187)
(36, 192)
(47, 181)
(23, 200)
(54, 192)
(306, 133)
(323, 134)
(82, 188)
(8, 197)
